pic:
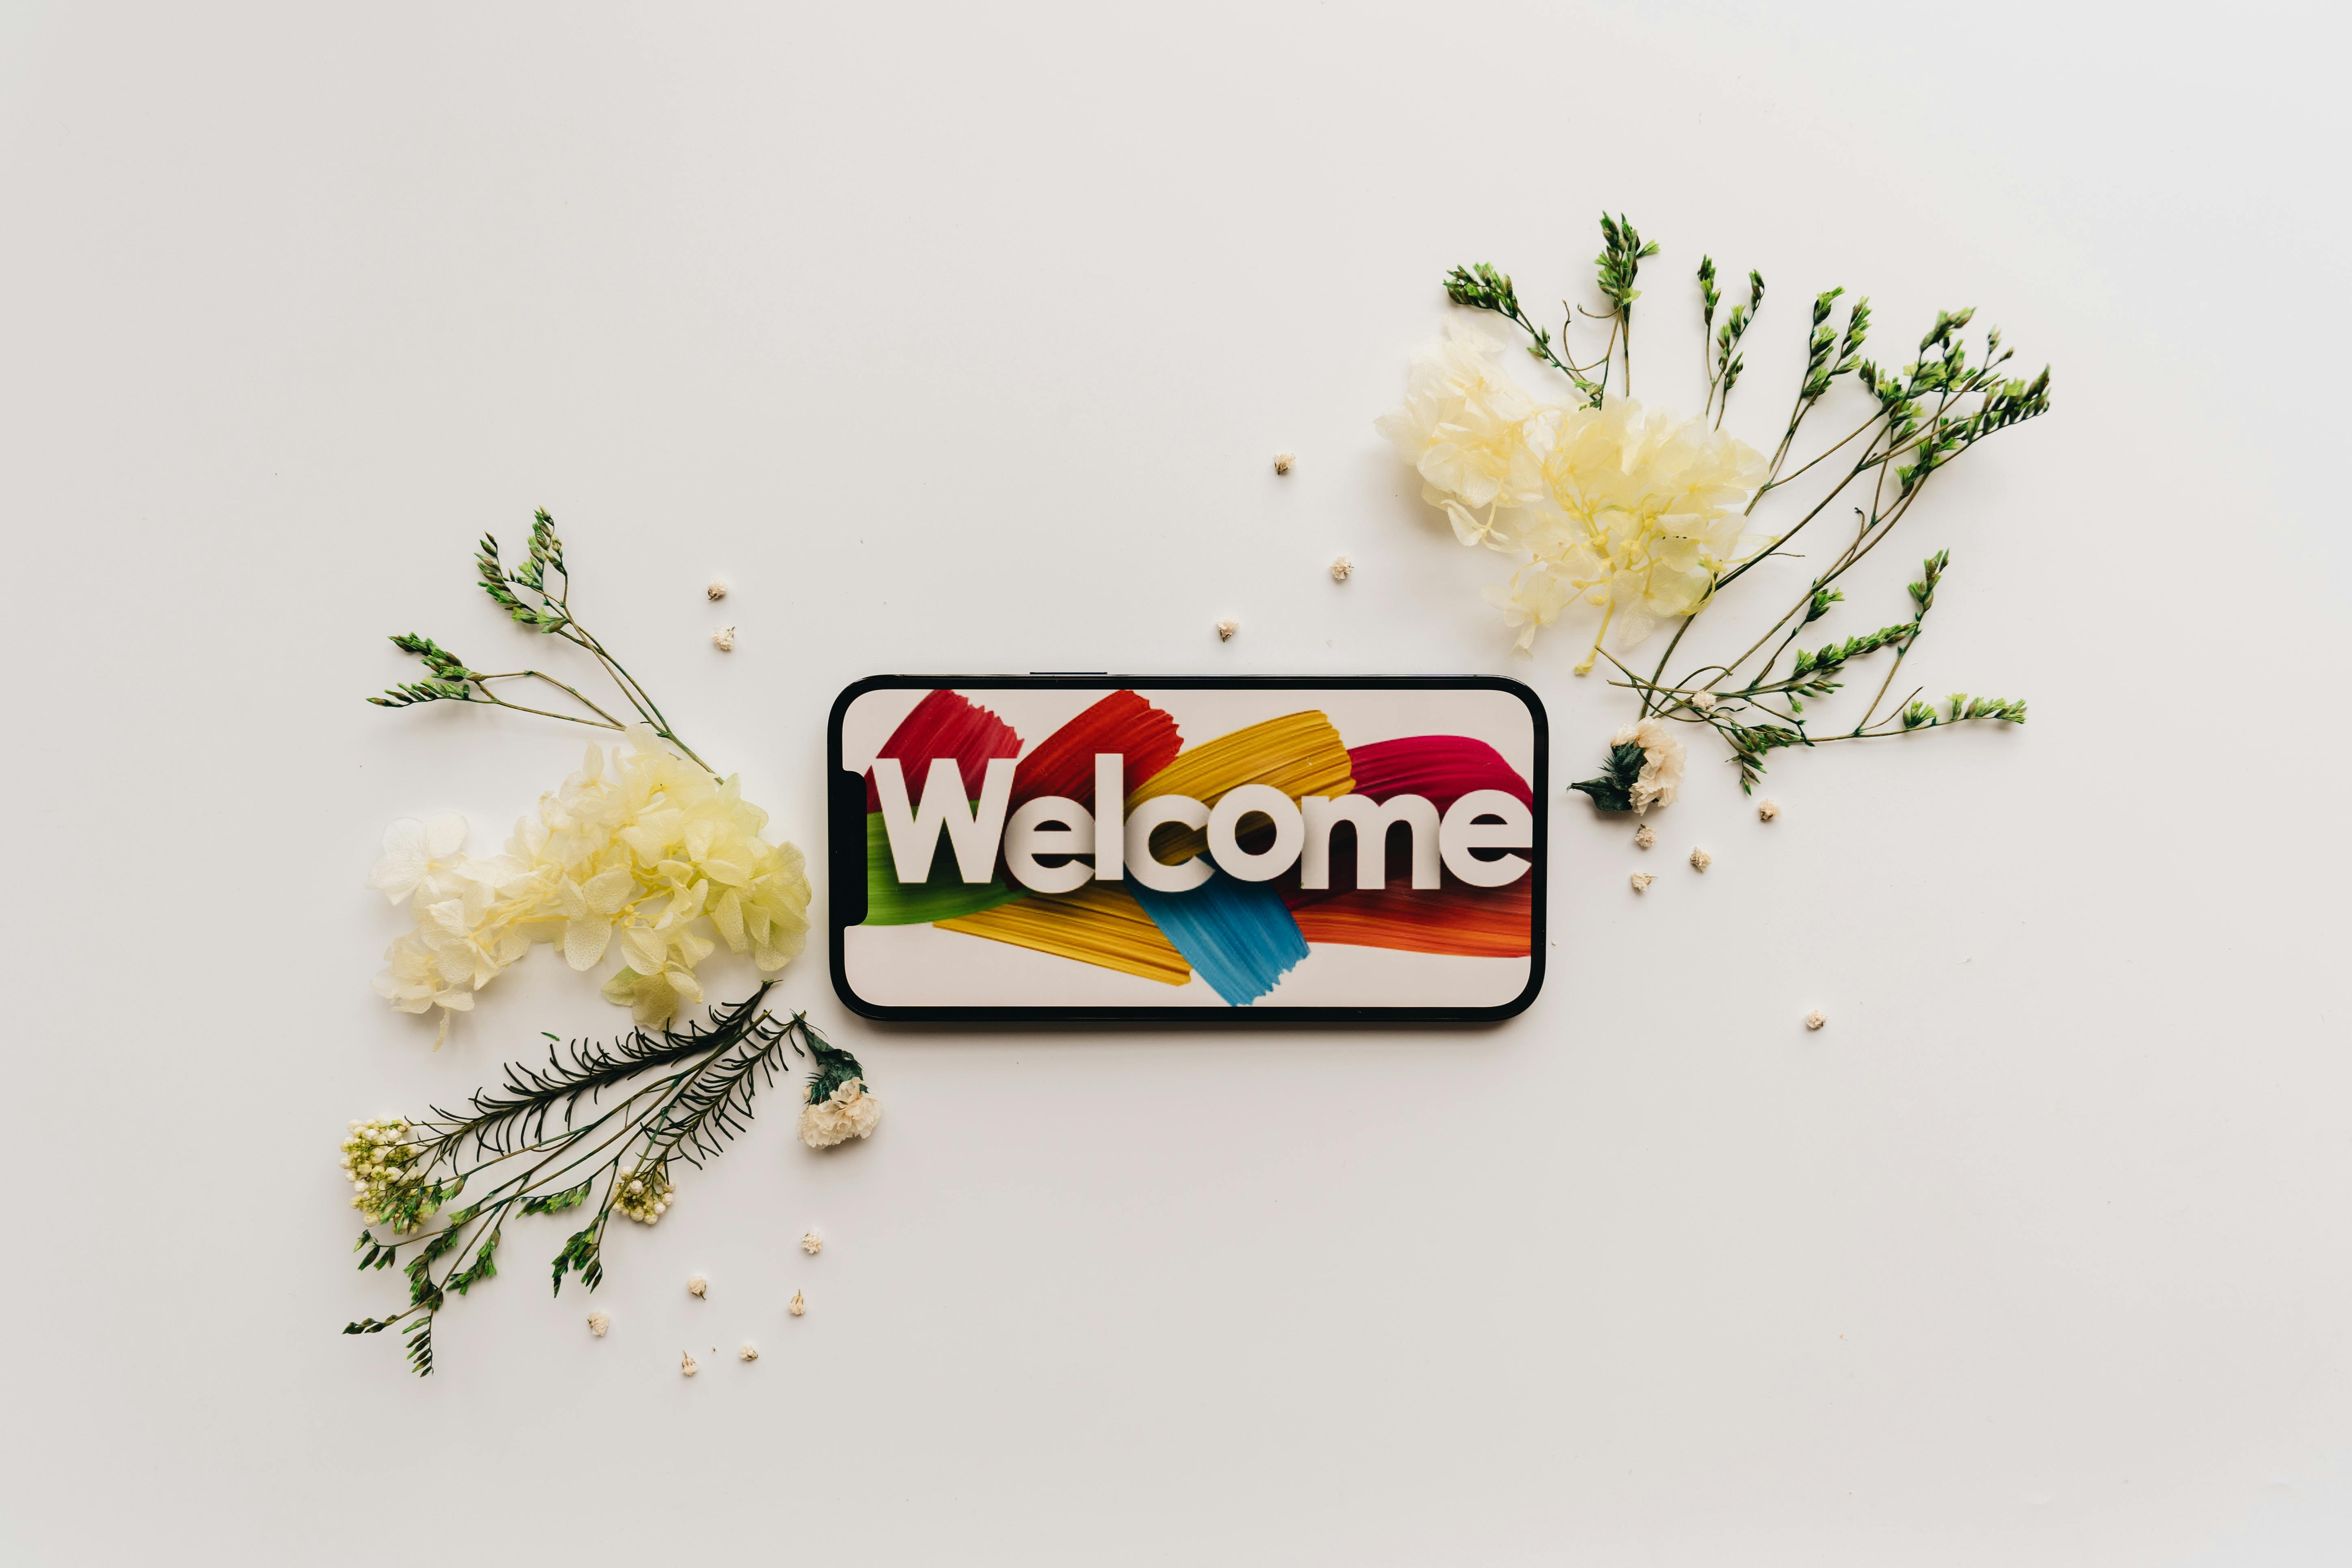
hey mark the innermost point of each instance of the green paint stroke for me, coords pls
(942, 897)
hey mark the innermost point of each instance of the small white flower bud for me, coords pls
(1342, 569)
(717, 589)
(597, 1323)
(1282, 461)
(812, 1244)
(1701, 860)
(1226, 630)
(1644, 836)
(1814, 1020)
(723, 639)
(685, 1363)
(1640, 880)
(699, 1288)
(749, 1352)
(1766, 810)
(797, 1305)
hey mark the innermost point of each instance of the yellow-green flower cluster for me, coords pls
(380, 1161)
(645, 853)
(1632, 511)
(644, 1194)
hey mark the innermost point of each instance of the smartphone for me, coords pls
(1084, 848)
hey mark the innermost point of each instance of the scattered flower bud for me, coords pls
(797, 1305)
(749, 1352)
(1282, 461)
(1701, 860)
(1814, 1020)
(1342, 569)
(723, 639)
(717, 589)
(1766, 810)
(1644, 836)
(1640, 880)
(686, 1364)
(812, 1244)
(597, 1323)
(699, 1287)
(1226, 630)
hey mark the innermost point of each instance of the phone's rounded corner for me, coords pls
(847, 995)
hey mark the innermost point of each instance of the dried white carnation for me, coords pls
(1342, 569)
(685, 1363)
(1644, 836)
(723, 639)
(1766, 810)
(597, 1323)
(749, 1352)
(1662, 762)
(1640, 880)
(797, 1305)
(1814, 1020)
(718, 586)
(848, 1112)
(1282, 461)
(1226, 630)
(812, 1244)
(699, 1287)
(1701, 860)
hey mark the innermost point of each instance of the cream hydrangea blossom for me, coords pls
(642, 852)
(1632, 510)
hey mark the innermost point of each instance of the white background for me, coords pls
(963, 336)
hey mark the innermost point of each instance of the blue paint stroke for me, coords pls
(1238, 936)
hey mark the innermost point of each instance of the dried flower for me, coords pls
(699, 1288)
(848, 1112)
(647, 852)
(1766, 810)
(1226, 630)
(812, 1243)
(1644, 768)
(1640, 880)
(598, 1322)
(685, 1363)
(380, 1160)
(797, 1305)
(749, 1352)
(1644, 836)
(644, 1194)
(1342, 569)
(1701, 860)
(723, 639)
(718, 588)
(1702, 700)
(1814, 1020)
(1282, 461)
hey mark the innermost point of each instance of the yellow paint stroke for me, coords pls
(1100, 924)
(1298, 753)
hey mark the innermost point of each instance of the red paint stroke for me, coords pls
(945, 724)
(1064, 762)
(1444, 768)
(1465, 922)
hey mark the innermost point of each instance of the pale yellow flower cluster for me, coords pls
(647, 853)
(378, 1161)
(1629, 509)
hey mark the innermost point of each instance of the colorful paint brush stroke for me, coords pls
(1241, 938)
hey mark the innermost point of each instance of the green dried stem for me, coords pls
(570, 1135)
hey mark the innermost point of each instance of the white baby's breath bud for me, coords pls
(1282, 461)
(812, 1243)
(797, 1305)
(598, 1322)
(1702, 700)
(1640, 880)
(718, 586)
(749, 1352)
(1644, 836)
(685, 1363)
(1701, 860)
(1766, 810)
(1226, 628)
(699, 1288)
(1342, 569)
(723, 639)
(1814, 1020)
